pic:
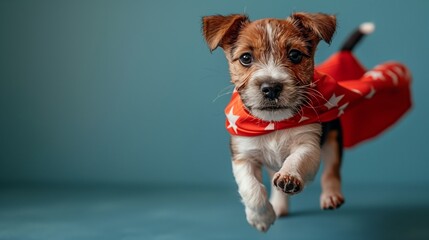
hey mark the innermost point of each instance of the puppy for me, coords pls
(271, 62)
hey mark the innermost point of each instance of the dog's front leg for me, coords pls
(299, 167)
(259, 212)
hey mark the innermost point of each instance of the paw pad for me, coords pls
(287, 183)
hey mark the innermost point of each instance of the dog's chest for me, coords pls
(271, 149)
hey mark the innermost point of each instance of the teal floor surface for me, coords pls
(164, 213)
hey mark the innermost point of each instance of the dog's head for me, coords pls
(271, 61)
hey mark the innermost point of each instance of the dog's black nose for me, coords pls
(271, 90)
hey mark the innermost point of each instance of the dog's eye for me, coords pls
(295, 56)
(246, 59)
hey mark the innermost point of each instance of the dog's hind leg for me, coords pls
(332, 197)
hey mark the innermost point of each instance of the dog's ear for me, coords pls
(222, 31)
(322, 25)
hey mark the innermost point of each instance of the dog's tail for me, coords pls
(364, 29)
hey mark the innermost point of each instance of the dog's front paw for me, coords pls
(261, 220)
(287, 183)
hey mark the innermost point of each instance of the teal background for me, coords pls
(126, 92)
(112, 125)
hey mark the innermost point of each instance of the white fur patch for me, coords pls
(275, 149)
(270, 34)
(270, 71)
(275, 116)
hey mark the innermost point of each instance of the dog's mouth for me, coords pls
(272, 108)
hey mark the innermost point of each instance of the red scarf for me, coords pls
(366, 102)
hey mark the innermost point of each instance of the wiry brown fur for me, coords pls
(221, 31)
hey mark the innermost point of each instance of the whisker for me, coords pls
(315, 94)
(223, 92)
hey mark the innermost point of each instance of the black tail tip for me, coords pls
(363, 30)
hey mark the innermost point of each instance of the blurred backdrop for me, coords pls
(127, 92)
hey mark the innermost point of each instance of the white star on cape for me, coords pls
(270, 127)
(402, 73)
(232, 119)
(342, 108)
(303, 118)
(375, 75)
(394, 77)
(333, 101)
(357, 91)
(371, 93)
(398, 70)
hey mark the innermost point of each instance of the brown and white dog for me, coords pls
(271, 63)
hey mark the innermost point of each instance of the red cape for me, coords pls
(367, 102)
